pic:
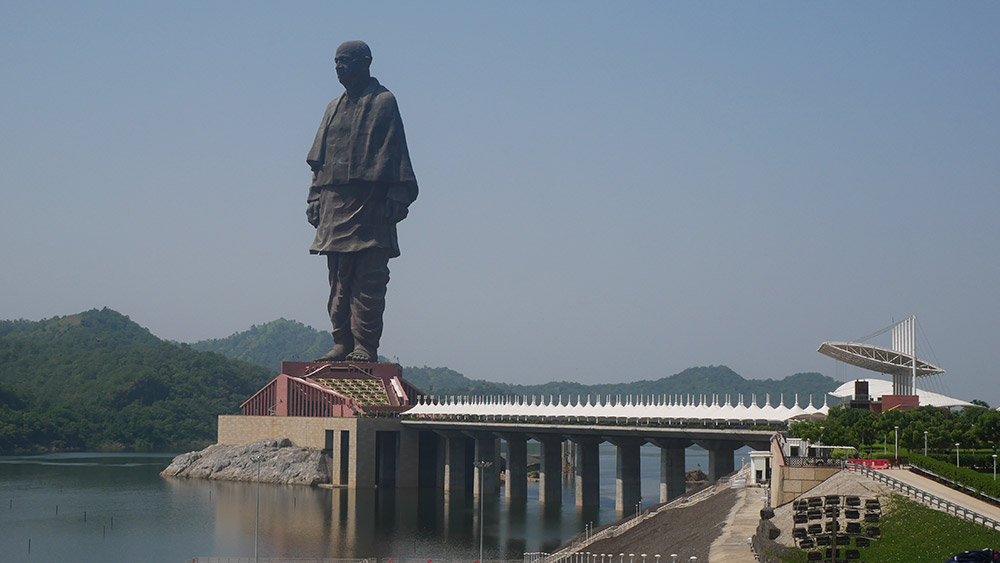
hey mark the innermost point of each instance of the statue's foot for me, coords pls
(337, 354)
(361, 354)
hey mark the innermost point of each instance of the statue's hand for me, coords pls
(312, 212)
(395, 211)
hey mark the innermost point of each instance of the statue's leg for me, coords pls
(371, 276)
(341, 268)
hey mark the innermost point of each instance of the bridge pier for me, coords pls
(431, 460)
(455, 460)
(628, 479)
(720, 457)
(550, 469)
(386, 458)
(588, 471)
(516, 485)
(672, 479)
(486, 446)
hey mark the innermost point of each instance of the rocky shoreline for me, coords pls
(280, 462)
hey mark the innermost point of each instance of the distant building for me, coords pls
(869, 393)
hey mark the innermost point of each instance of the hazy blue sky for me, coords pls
(609, 191)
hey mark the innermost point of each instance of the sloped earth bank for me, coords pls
(280, 462)
(685, 529)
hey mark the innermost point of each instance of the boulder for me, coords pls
(280, 462)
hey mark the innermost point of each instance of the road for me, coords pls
(943, 491)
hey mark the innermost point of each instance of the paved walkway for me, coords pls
(741, 524)
(947, 493)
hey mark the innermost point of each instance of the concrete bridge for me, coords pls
(381, 431)
(447, 450)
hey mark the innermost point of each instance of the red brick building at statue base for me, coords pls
(333, 389)
(347, 410)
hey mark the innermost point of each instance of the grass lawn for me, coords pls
(913, 533)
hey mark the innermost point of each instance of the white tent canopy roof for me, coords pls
(714, 409)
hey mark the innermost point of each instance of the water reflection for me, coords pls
(134, 515)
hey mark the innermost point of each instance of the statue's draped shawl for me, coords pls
(377, 147)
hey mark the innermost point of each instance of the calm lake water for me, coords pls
(115, 507)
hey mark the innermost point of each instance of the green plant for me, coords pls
(913, 533)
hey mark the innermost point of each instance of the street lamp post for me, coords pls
(925, 443)
(957, 462)
(256, 518)
(895, 443)
(483, 466)
(994, 467)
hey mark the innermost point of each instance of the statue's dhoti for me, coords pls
(358, 282)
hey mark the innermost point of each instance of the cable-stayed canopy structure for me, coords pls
(877, 358)
(900, 361)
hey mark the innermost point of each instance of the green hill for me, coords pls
(693, 381)
(97, 380)
(269, 344)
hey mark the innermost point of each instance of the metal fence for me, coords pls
(812, 461)
(928, 499)
(589, 557)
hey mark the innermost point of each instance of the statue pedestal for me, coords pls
(306, 370)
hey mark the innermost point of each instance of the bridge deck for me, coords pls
(755, 438)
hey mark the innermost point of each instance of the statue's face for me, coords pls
(349, 68)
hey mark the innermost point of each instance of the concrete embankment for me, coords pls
(688, 526)
(280, 462)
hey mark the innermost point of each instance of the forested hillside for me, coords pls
(269, 344)
(98, 380)
(693, 381)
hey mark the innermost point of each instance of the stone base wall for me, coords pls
(303, 431)
(790, 482)
(354, 444)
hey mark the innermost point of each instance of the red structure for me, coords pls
(333, 389)
(899, 402)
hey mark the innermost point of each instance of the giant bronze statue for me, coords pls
(362, 186)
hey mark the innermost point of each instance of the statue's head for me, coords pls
(352, 61)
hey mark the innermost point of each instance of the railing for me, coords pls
(811, 461)
(928, 499)
(971, 490)
(588, 557)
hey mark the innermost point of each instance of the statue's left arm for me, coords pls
(397, 203)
